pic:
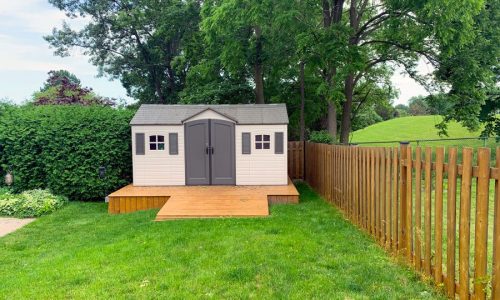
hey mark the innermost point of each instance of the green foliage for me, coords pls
(472, 70)
(60, 75)
(217, 51)
(417, 106)
(139, 42)
(62, 147)
(365, 119)
(63, 88)
(321, 136)
(32, 203)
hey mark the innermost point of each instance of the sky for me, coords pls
(25, 57)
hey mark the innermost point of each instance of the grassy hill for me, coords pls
(417, 128)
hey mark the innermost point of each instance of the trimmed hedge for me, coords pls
(62, 147)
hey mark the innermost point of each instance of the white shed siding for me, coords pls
(208, 114)
(158, 167)
(262, 166)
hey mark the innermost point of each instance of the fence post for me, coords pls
(304, 160)
(403, 146)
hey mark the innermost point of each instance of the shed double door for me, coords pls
(210, 153)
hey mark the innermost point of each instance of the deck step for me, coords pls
(214, 206)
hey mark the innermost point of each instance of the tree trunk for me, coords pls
(332, 119)
(158, 87)
(332, 13)
(258, 77)
(345, 129)
(302, 103)
(171, 81)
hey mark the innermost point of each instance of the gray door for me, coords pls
(210, 152)
(197, 142)
(222, 162)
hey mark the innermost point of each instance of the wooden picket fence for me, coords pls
(422, 204)
(296, 160)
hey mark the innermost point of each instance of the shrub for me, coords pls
(33, 203)
(62, 147)
(321, 136)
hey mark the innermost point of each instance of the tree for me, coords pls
(57, 78)
(402, 33)
(471, 74)
(417, 106)
(438, 104)
(246, 40)
(402, 110)
(63, 88)
(138, 42)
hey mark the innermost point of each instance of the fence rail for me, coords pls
(420, 203)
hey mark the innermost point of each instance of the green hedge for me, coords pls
(62, 147)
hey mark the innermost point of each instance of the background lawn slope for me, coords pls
(414, 128)
(300, 251)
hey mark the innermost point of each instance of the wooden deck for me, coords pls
(202, 201)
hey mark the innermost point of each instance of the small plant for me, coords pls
(32, 203)
(321, 136)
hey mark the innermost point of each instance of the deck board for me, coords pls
(202, 201)
(205, 206)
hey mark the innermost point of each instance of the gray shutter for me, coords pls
(173, 144)
(246, 143)
(139, 144)
(278, 142)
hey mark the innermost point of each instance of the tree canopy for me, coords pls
(63, 88)
(330, 60)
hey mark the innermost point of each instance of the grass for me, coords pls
(422, 127)
(301, 251)
(413, 128)
(416, 128)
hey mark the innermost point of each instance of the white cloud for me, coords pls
(25, 57)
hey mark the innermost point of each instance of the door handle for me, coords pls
(206, 149)
(212, 150)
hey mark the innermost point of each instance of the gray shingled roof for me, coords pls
(160, 114)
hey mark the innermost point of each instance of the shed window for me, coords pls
(263, 141)
(156, 142)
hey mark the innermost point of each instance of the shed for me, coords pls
(241, 144)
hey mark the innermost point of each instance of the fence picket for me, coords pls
(464, 227)
(409, 207)
(373, 187)
(481, 236)
(395, 205)
(495, 278)
(451, 221)
(438, 217)
(418, 208)
(427, 211)
(387, 223)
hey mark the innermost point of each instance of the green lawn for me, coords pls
(301, 251)
(417, 128)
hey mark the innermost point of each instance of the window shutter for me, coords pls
(173, 144)
(278, 142)
(246, 143)
(139, 144)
